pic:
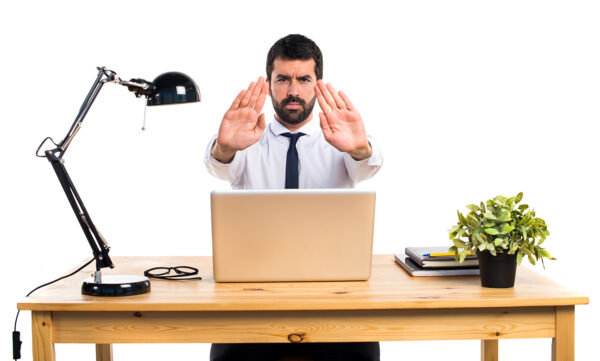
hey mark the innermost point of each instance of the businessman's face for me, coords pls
(293, 90)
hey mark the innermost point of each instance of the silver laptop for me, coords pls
(292, 235)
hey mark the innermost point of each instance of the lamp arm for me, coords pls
(139, 87)
(98, 244)
(104, 75)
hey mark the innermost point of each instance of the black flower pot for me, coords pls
(497, 271)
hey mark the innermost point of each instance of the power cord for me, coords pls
(16, 335)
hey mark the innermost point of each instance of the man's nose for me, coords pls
(293, 89)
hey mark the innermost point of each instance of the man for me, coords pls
(293, 152)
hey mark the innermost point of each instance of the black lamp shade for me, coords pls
(174, 88)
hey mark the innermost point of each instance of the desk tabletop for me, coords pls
(389, 287)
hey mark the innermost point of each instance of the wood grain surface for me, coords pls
(104, 352)
(489, 350)
(563, 344)
(303, 326)
(389, 288)
(43, 336)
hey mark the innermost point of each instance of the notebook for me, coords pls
(292, 235)
(415, 270)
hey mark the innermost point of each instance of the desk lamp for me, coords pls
(167, 88)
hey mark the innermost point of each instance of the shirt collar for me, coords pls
(308, 129)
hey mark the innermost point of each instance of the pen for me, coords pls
(442, 254)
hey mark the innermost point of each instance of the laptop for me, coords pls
(292, 235)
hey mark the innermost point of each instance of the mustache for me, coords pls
(293, 100)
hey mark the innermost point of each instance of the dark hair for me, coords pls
(295, 47)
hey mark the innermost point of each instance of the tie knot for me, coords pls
(293, 137)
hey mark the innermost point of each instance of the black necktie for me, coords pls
(291, 164)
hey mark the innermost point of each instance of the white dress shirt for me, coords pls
(262, 165)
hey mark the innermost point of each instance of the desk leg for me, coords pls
(489, 350)
(563, 344)
(104, 352)
(43, 343)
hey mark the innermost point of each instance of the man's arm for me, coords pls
(224, 156)
(360, 170)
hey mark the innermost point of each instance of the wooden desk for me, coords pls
(391, 306)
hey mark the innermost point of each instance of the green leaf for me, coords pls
(454, 250)
(461, 218)
(473, 216)
(473, 207)
(500, 200)
(492, 231)
(504, 216)
(531, 259)
(519, 197)
(482, 206)
(458, 243)
(523, 207)
(498, 241)
(463, 255)
(479, 237)
(519, 257)
(505, 228)
(489, 215)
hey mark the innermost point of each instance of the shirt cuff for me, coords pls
(365, 168)
(214, 166)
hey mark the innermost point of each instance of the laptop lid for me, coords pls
(292, 235)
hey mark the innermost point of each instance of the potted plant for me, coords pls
(501, 233)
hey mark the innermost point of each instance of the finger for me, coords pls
(325, 125)
(322, 103)
(237, 101)
(257, 91)
(246, 98)
(338, 100)
(349, 104)
(262, 97)
(326, 94)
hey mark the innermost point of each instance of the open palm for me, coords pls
(342, 124)
(243, 123)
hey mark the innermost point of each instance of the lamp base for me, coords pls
(116, 286)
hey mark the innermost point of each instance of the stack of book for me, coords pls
(435, 261)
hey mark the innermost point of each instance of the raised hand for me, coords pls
(243, 123)
(342, 124)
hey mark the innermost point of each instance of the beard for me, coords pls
(293, 116)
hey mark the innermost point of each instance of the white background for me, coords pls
(468, 100)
